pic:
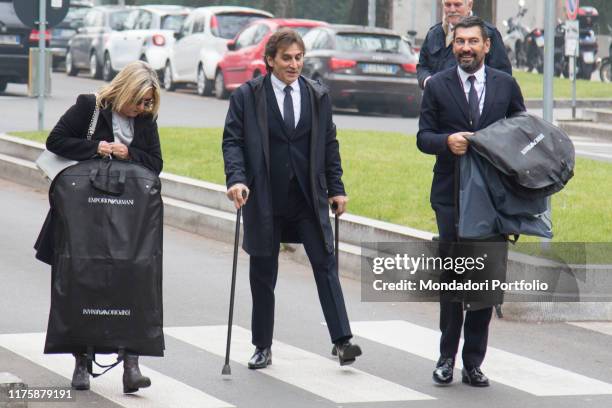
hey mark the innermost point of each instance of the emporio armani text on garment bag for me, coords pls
(106, 294)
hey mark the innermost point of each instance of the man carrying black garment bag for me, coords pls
(457, 102)
(279, 145)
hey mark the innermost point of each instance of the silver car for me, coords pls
(202, 42)
(86, 49)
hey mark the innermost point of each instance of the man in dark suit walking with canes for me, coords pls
(457, 102)
(279, 145)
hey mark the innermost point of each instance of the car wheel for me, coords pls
(70, 69)
(107, 69)
(3, 83)
(94, 66)
(220, 91)
(205, 85)
(168, 83)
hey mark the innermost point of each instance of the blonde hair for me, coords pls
(130, 86)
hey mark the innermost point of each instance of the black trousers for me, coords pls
(264, 271)
(476, 323)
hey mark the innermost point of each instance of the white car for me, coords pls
(202, 42)
(148, 35)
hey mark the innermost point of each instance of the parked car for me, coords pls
(65, 30)
(202, 42)
(364, 67)
(148, 35)
(15, 42)
(244, 60)
(87, 48)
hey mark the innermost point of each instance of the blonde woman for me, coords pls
(126, 130)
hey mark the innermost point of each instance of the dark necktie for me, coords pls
(288, 115)
(474, 102)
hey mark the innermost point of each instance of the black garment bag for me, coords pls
(106, 291)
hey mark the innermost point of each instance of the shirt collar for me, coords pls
(480, 74)
(280, 85)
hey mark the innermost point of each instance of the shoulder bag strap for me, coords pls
(94, 120)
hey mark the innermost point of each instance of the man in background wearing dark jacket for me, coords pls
(437, 51)
(457, 102)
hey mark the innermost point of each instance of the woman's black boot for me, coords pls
(132, 378)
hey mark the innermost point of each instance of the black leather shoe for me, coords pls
(261, 358)
(347, 352)
(474, 377)
(443, 374)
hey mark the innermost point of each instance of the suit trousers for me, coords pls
(476, 323)
(264, 271)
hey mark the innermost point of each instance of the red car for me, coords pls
(244, 59)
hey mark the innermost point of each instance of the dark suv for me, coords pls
(15, 42)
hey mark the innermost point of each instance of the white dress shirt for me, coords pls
(479, 83)
(279, 91)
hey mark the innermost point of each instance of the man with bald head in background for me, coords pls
(437, 51)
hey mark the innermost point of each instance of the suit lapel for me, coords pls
(453, 83)
(489, 96)
(107, 115)
(262, 119)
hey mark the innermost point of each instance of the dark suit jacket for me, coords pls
(69, 139)
(444, 111)
(246, 153)
(435, 56)
(69, 136)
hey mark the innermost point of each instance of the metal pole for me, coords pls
(548, 94)
(573, 62)
(434, 12)
(42, 27)
(549, 58)
(372, 13)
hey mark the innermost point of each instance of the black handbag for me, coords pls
(106, 294)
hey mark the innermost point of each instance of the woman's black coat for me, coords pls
(69, 139)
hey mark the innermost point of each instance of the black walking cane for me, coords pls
(226, 368)
(334, 207)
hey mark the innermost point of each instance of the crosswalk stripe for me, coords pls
(165, 392)
(601, 327)
(316, 374)
(513, 370)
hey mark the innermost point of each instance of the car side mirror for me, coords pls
(178, 35)
(231, 45)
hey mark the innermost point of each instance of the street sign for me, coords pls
(571, 8)
(572, 36)
(28, 11)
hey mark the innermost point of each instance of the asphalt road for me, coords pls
(186, 108)
(556, 365)
(181, 108)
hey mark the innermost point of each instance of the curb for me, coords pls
(201, 207)
(567, 103)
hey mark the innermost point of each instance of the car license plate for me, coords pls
(9, 39)
(588, 57)
(383, 69)
(540, 41)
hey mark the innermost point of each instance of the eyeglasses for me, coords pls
(148, 103)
